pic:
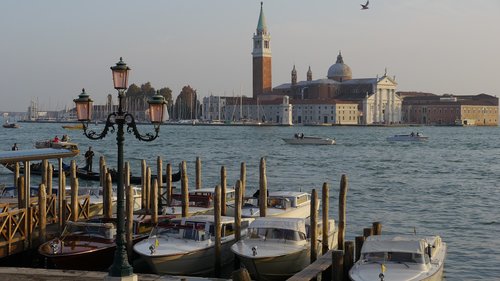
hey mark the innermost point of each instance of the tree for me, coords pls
(167, 94)
(186, 104)
(133, 90)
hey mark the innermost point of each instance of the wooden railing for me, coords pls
(13, 229)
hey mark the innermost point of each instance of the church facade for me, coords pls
(335, 99)
(376, 97)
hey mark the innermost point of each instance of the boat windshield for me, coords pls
(401, 257)
(276, 233)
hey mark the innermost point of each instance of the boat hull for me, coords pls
(310, 140)
(276, 267)
(198, 262)
(407, 138)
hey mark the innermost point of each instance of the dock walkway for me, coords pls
(38, 274)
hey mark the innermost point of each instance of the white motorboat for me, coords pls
(289, 204)
(401, 258)
(408, 137)
(276, 248)
(301, 139)
(201, 201)
(187, 246)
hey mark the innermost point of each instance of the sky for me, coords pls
(50, 50)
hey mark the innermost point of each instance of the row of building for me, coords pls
(337, 99)
(340, 99)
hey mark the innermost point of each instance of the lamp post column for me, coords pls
(120, 266)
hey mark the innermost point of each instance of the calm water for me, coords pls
(447, 186)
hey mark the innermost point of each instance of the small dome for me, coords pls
(339, 71)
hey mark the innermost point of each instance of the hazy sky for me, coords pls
(49, 50)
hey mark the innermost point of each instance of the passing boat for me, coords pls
(9, 125)
(400, 258)
(186, 246)
(408, 137)
(89, 245)
(277, 248)
(58, 145)
(201, 201)
(301, 139)
(288, 204)
(73, 127)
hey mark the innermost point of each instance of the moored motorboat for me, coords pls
(301, 139)
(186, 246)
(200, 202)
(289, 204)
(89, 245)
(401, 258)
(408, 137)
(276, 248)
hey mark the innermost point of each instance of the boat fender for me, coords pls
(55, 245)
(254, 251)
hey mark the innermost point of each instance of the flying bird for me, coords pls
(365, 6)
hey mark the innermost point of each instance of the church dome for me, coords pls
(339, 71)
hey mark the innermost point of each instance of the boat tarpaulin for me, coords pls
(394, 243)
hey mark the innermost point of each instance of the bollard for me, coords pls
(262, 188)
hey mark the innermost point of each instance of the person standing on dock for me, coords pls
(88, 158)
(14, 147)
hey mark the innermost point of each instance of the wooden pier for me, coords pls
(26, 222)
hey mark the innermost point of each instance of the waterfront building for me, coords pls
(430, 109)
(336, 99)
(376, 97)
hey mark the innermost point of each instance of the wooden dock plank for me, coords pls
(314, 269)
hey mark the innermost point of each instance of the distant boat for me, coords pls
(301, 139)
(409, 137)
(10, 125)
(73, 127)
(60, 145)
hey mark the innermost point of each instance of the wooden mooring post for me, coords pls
(143, 184)
(217, 230)
(243, 178)
(42, 213)
(184, 190)
(313, 228)
(223, 184)
(262, 188)
(148, 190)
(169, 184)
(108, 197)
(342, 211)
(324, 211)
(49, 180)
(237, 212)
(198, 173)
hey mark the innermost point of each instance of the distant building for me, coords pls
(336, 99)
(428, 109)
(376, 97)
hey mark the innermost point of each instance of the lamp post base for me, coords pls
(132, 277)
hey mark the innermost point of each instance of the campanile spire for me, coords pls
(261, 55)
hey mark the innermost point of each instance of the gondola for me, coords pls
(81, 173)
(35, 168)
(94, 176)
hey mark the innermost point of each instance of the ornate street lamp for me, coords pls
(120, 266)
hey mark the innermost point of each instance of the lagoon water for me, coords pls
(449, 185)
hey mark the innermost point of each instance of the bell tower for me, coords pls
(261, 56)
